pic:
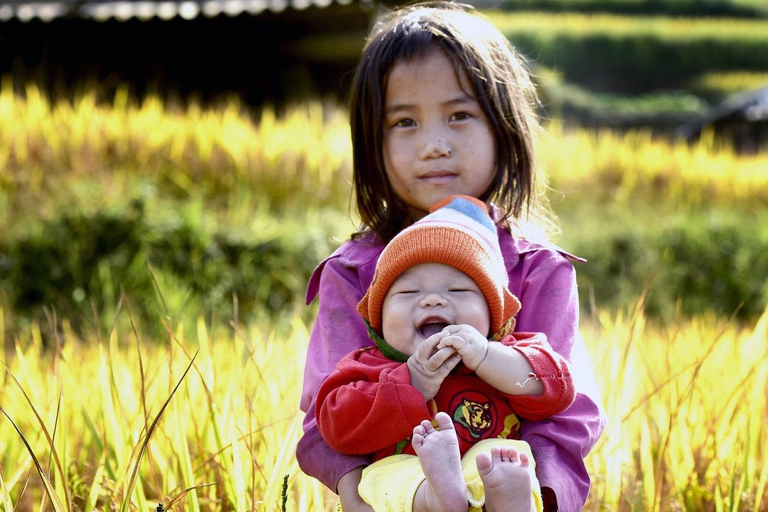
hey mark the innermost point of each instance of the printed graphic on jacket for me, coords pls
(476, 417)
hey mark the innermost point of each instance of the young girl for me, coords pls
(439, 296)
(442, 105)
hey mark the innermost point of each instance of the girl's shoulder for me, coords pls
(357, 255)
(514, 248)
(358, 252)
(516, 242)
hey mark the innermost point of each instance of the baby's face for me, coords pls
(425, 299)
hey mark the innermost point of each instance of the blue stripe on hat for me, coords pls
(472, 211)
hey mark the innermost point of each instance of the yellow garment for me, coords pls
(390, 484)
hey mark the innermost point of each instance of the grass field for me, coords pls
(210, 423)
(204, 416)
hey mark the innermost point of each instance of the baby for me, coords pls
(441, 316)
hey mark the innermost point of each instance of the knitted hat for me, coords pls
(458, 232)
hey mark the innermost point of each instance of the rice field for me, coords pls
(211, 422)
(206, 418)
(48, 146)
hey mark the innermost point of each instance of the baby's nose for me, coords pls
(431, 299)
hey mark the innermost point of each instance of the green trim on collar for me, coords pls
(386, 349)
(505, 330)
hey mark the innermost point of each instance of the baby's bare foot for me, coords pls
(506, 479)
(438, 451)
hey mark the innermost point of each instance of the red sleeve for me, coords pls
(551, 369)
(368, 404)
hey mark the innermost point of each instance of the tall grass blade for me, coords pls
(95, 491)
(282, 465)
(180, 496)
(48, 436)
(128, 491)
(138, 352)
(237, 469)
(6, 505)
(49, 490)
(762, 483)
(185, 461)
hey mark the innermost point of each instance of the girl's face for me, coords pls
(425, 299)
(437, 139)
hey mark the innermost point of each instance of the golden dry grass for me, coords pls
(687, 405)
(305, 152)
(688, 423)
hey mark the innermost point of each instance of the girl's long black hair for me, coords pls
(501, 83)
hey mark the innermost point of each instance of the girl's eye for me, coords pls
(460, 116)
(460, 290)
(405, 123)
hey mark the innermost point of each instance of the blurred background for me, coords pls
(171, 172)
(201, 148)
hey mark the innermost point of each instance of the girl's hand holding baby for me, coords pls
(467, 341)
(430, 365)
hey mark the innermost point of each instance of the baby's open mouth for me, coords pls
(428, 329)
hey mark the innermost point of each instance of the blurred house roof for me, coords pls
(749, 107)
(102, 10)
(743, 119)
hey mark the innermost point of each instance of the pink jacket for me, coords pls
(544, 280)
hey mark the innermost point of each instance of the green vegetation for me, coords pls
(229, 215)
(724, 8)
(631, 55)
(638, 63)
(716, 87)
(567, 101)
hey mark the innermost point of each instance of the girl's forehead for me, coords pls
(435, 62)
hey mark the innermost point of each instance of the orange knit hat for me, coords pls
(458, 232)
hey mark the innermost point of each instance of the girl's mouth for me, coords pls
(438, 176)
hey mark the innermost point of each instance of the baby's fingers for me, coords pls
(451, 362)
(429, 347)
(455, 341)
(446, 360)
(442, 354)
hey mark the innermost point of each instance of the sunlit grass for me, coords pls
(687, 415)
(686, 405)
(637, 166)
(722, 84)
(91, 152)
(664, 27)
(224, 442)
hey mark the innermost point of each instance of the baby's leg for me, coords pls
(506, 480)
(444, 489)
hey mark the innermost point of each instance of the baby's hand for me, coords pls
(467, 341)
(430, 365)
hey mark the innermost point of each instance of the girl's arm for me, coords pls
(338, 330)
(545, 282)
(350, 497)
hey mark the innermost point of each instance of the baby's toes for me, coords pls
(484, 464)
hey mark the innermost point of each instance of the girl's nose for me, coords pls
(436, 148)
